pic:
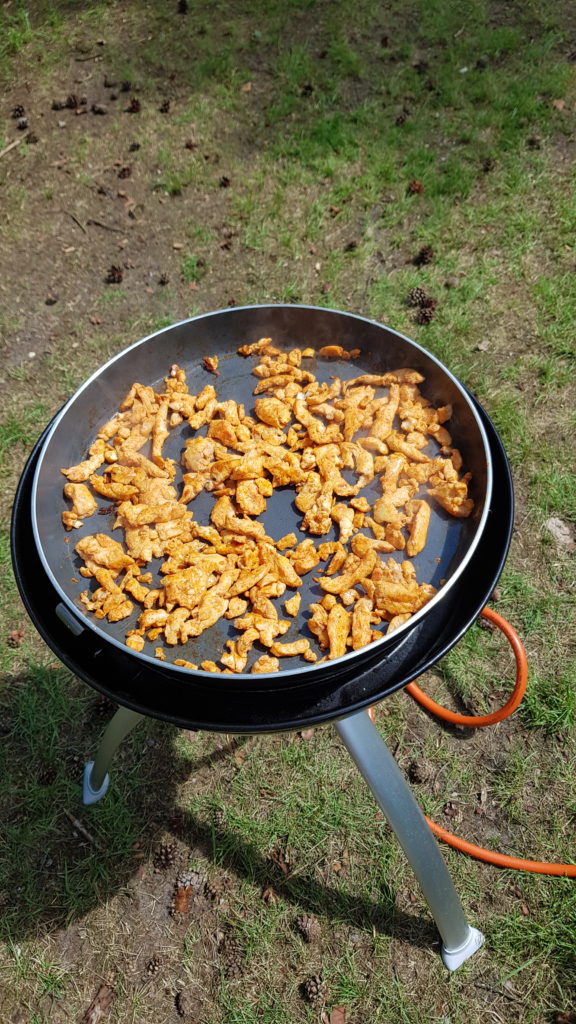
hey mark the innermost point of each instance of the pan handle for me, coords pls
(68, 619)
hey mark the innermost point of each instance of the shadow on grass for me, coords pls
(59, 860)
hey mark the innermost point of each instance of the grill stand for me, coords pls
(379, 769)
(96, 778)
(391, 791)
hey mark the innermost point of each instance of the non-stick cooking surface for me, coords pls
(450, 542)
(194, 702)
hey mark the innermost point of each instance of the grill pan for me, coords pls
(451, 542)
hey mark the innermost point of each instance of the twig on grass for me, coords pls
(11, 146)
(107, 227)
(498, 991)
(79, 223)
(80, 828)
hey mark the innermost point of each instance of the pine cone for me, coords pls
(185, 1005)
(214, 890)
(46, 774)
(308, 927)
(426, 255)
(182, 6)
(488, 165)
(418, 772)
(416, 297)
(232, 955)
(425, 315)
(17, 111)
(22, 124)
(134, 106)
(114, 275)
(415, 187)
(31, 139)
(125, 172)
(163, 279)
(73, 101)
(164, 856)
(153, 966)
(313, 989)
(103, 707)
(164, 107)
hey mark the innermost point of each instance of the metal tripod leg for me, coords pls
(96, 778)
(367, 748)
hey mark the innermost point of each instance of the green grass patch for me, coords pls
(18, 432)
(550, 701)
(192, 268)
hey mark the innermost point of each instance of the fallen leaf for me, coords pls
(240, 756)
(247, 87)
(338, 1015)
(269, 895)
(558, 104)
(483, 345)
(177, 245)
(95, 319)
(307, 734)
(182, 897)
(99, 1005)
(450, 810)
(281, 858)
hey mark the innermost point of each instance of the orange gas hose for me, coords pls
(490, 856)
(477, 721)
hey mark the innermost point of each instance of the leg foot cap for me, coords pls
(454, 958)
(89, 795)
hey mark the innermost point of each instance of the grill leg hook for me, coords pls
(391, 791)
(96, 777)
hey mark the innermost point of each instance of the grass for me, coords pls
(319, 114)
(18, 432)
(192, 268)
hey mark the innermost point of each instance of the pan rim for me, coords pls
(322, 664)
